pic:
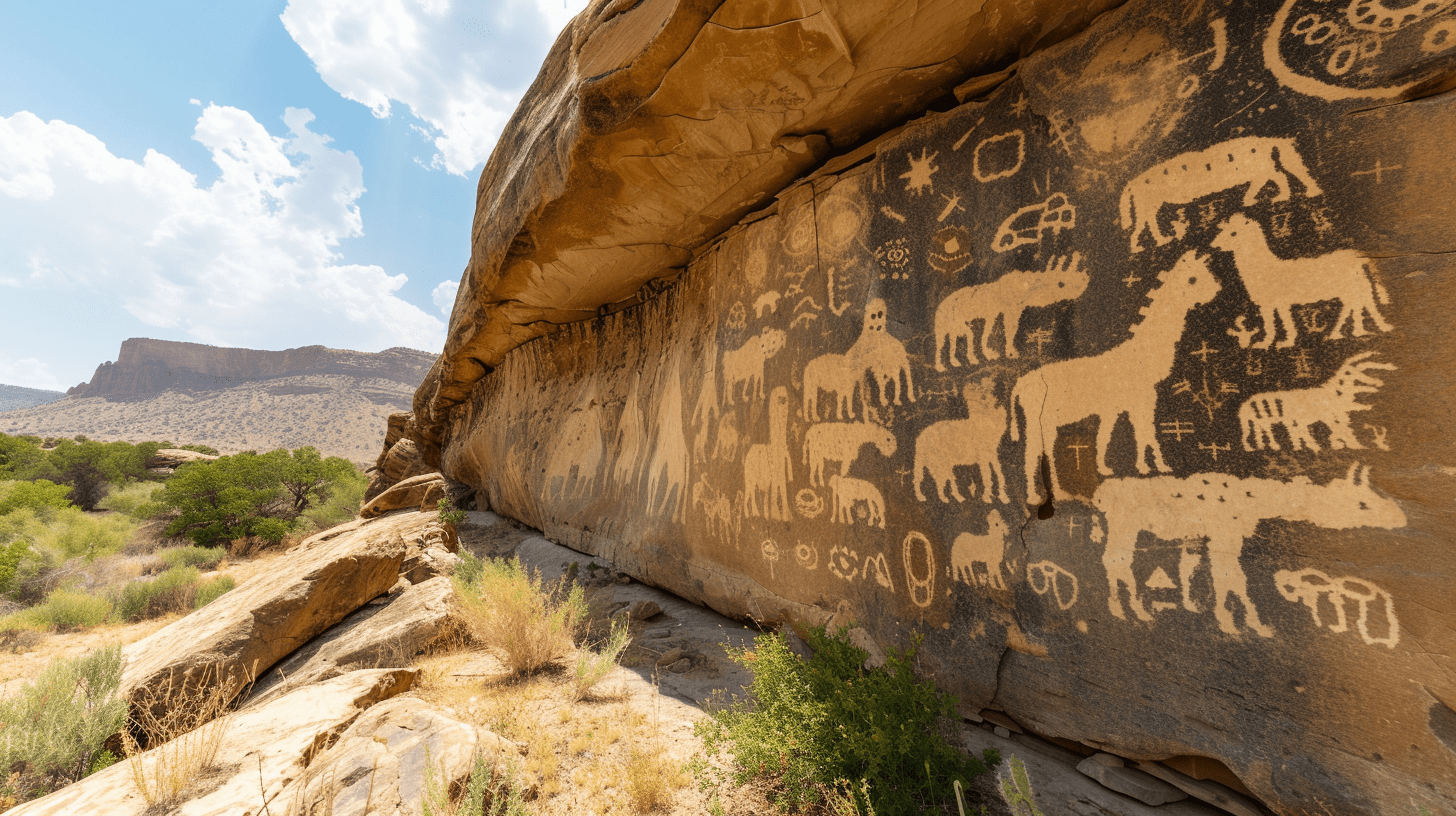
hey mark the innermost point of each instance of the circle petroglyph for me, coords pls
(999, 157)
(922, 590)
(809, 504)
(841, 220)
(806, 555)
(1320, 51)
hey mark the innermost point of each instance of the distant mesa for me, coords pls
(15, 397)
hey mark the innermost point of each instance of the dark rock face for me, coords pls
(1124, 384)
(146, 367)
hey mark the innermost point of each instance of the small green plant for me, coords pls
(65, 610)
(173, 591)
(813, 724)
(592, 665)
(449, 514)
(1016, 790)
(52, 731)
(491, 791)
(135, 500)
(10, 556)
(507, 608)
(203, 558)
(209, 591)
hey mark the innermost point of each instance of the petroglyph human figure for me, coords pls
(1226, 510)
(668, 467)
(767, 467)
(1247, 160)
(744, 365)
(847, 491)
(988, 550)
(579, 450)
(973, 441)
(1119, 381)
(1277, 284)
(876, 354)
(841, 442)
(1026, 225)
(1332, 402)
(1007, 297)
(1310, 586)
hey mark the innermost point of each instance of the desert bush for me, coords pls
(53, 730)
(491, 791)
(592, 665)
(342, 502)
(35, 495)
(137, 500)
(173, 591)
(182, 736)
(64, 610)
(203, 558)
(507, 608)
(209, 591)
(650, 778)
(813, 724)
(10, 557)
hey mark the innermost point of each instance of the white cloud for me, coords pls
(28, 373)
(460, 71)
(251, 260)
(444, 296)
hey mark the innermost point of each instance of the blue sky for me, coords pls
(259, 174)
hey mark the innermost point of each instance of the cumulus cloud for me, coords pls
(459, 68)
(444, 296)
(251, 260)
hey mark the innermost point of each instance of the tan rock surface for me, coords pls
(411, 493)
(175, 457)
(262, 752)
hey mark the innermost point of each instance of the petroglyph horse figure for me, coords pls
(1247, 160)
(767, 467)
(1277, 284)
(1331, 402)
(1119, 381)
(988, 550)
(847, 491)
(970, 442)
(744, 365)
(1007, 297)
(1226, 510)
(876, 354)
(841, 442)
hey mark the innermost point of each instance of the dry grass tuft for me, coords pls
(593, 665)
(186, 725)
(507, 608)
(651, 778)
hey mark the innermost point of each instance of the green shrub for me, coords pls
(63, 611)
(506, 607)
(173, 591)
(812, 726)
(209, 591)
(137, 500)
(10, 557)
(204, 558)
(52, 731)
(73, 533)
(38, 494)
(449, 514)
(344, 500)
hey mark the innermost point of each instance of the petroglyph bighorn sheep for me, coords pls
(970, 442)
(1119, 381)
(1226, 510)
(744, 365)
(1007, 297)
(1331, 402)
(1247, 160)
(988, 550)
(1277, 284)
(841, 442)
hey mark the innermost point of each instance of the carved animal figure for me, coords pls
(833, 373)
(972, 442)
(849, 490)
(1309, 586)
(1026, 225)
(1246, 160)
(718, 511)
(987, 550)
(841, 442)
(1277, 285)
(1007, 297)
(1119, 381)
(768, 468)
(1226, 510)
(876, 354)
(668, 467)
(1331, 402)
(744, 365)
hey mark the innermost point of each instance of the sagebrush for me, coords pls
(508, 607)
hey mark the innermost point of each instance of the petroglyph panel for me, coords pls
(1135, 373)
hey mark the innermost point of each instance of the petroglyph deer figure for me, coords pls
(744, 365)
(847, 491)
(1007, 297)
(1277, 284)
(841, 442)
(767, 467)
(1331, 402)
(1026, 225)
(1119, 381)
(1310, 586)
(988, 550)
(1247, 160)
(972, 442)
(875, 354)
(1226, 510)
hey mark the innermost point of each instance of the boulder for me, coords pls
(403, 461)
(414, 492)
(1114, 378)
(376, 635)
(168, 459)
(1131, 782)
(262, 751)
(244, 632)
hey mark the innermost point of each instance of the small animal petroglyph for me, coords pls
(970, 442)
(1226, 510)
(1008, 297)
(1331, 403)
(767, 302)
(987, 550)
(744, 365)
(1026, 225)
(841, 442)
(767, 467)
(1277, 284)
(1068, 391)
(1310, 587)
(1187, 177)
(849, 490)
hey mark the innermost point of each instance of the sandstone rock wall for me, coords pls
(1126, 384)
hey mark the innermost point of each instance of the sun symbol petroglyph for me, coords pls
(893, 255)
(843, 562)
(809, 503)
(807, 555)
(917, 178)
